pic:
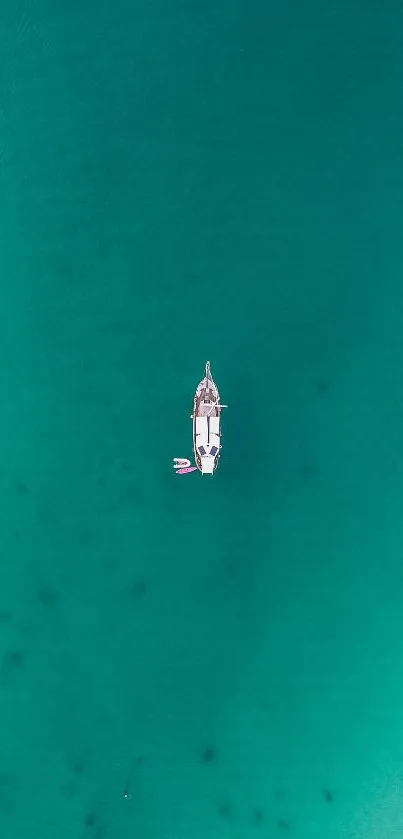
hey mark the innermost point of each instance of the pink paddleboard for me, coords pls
(182, 466)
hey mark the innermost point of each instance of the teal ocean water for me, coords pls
(186, 657)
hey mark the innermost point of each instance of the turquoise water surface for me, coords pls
(186, 657)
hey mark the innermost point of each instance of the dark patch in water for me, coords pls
(137, 589)
(327, 795)
(225, 810)
(322, 387)
(92, 825)
(209, 755)
(90, 820)
(47, 597)
(21, 488)
(12, 661)
(78, 767)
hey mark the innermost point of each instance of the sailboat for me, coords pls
(206, 424)
(206, 419)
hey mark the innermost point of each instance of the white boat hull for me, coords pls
(206, 424)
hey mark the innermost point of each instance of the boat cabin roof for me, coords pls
(207, 435)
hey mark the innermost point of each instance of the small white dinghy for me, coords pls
(206, 428)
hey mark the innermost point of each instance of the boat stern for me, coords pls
(207, 465)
